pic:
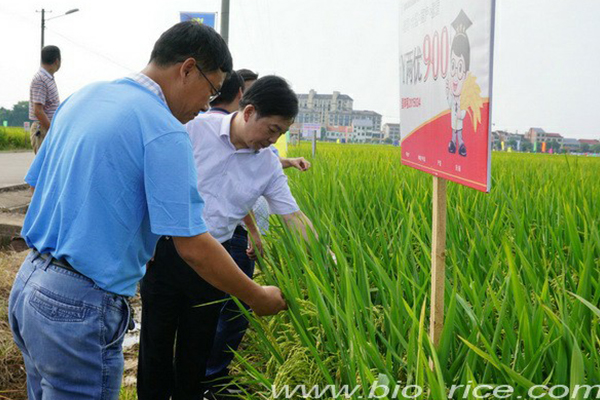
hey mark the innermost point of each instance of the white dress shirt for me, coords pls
(229, 180)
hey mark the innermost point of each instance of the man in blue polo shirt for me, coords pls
(114, 174)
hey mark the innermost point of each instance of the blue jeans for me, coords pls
(69, 331)
(232, 323)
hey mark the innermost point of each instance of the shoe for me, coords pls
(462, 150)
(452, 147)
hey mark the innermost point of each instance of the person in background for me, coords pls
(235, 167)
(248, 76)
(232, 323)
(43, 96)
(114, 174)
(229, 97)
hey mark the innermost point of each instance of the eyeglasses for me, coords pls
(216, 93)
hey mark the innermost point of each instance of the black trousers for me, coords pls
(171, 325)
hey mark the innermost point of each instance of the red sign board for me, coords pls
(445, 88)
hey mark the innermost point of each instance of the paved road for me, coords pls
(14, 166)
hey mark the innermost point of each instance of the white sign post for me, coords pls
(445, 89)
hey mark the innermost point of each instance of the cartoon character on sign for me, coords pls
(462, 90)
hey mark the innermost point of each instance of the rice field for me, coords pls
(12, 138)
(522, 290)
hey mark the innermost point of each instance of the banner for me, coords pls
(445, 88)
(282, 144)
(310, 129)
(209, 19)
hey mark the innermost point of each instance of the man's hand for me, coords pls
(253, 235)
(270, 303)
(40, 114)
(255, 246)
(211, 261)
(299, 163)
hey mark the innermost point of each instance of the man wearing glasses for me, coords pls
(180, 311)
(115, 173)
(214, 92)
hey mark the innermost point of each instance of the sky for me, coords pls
(545, 68)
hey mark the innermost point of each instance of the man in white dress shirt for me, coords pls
(235, 166)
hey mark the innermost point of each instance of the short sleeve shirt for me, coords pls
(43, 90)
(230, 180)
(115, 172)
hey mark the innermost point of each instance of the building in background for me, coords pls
(362, 130)
(589, 142)
(502, 140)
(589, 145)
(391, 132)
(571, 145)
(538, 135)
(333, 110)
(341, 133)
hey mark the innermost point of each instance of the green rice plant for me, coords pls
(13, 138)
(522, 291)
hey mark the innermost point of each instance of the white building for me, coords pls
(362, 130)
(332, 110)
(391, 131)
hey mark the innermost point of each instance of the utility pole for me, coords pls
(58, 16)
(225, 20)
(43, 26)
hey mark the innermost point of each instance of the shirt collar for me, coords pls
(149, 84)
(225, 134)
(218, 110)
(48, 74)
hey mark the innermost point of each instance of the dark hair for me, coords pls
(231, 87)
(271, 95)
(247, 75)
(462, 47)
(50, 54)
(192, 39)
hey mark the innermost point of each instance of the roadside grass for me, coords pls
(12, 370)
(14, 138)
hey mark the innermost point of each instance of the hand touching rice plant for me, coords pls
(522, 292)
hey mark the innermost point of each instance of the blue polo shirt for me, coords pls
(114, 173)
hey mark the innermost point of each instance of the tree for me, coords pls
(323, 133)
(19, 114)
(585, 147)
(16, 116)
(526, 146)
(555, 146)
(4, 115)
(595, 148)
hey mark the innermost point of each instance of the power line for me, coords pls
(241, 8)
(105, 57)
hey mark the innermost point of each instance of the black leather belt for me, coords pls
(64, 264)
